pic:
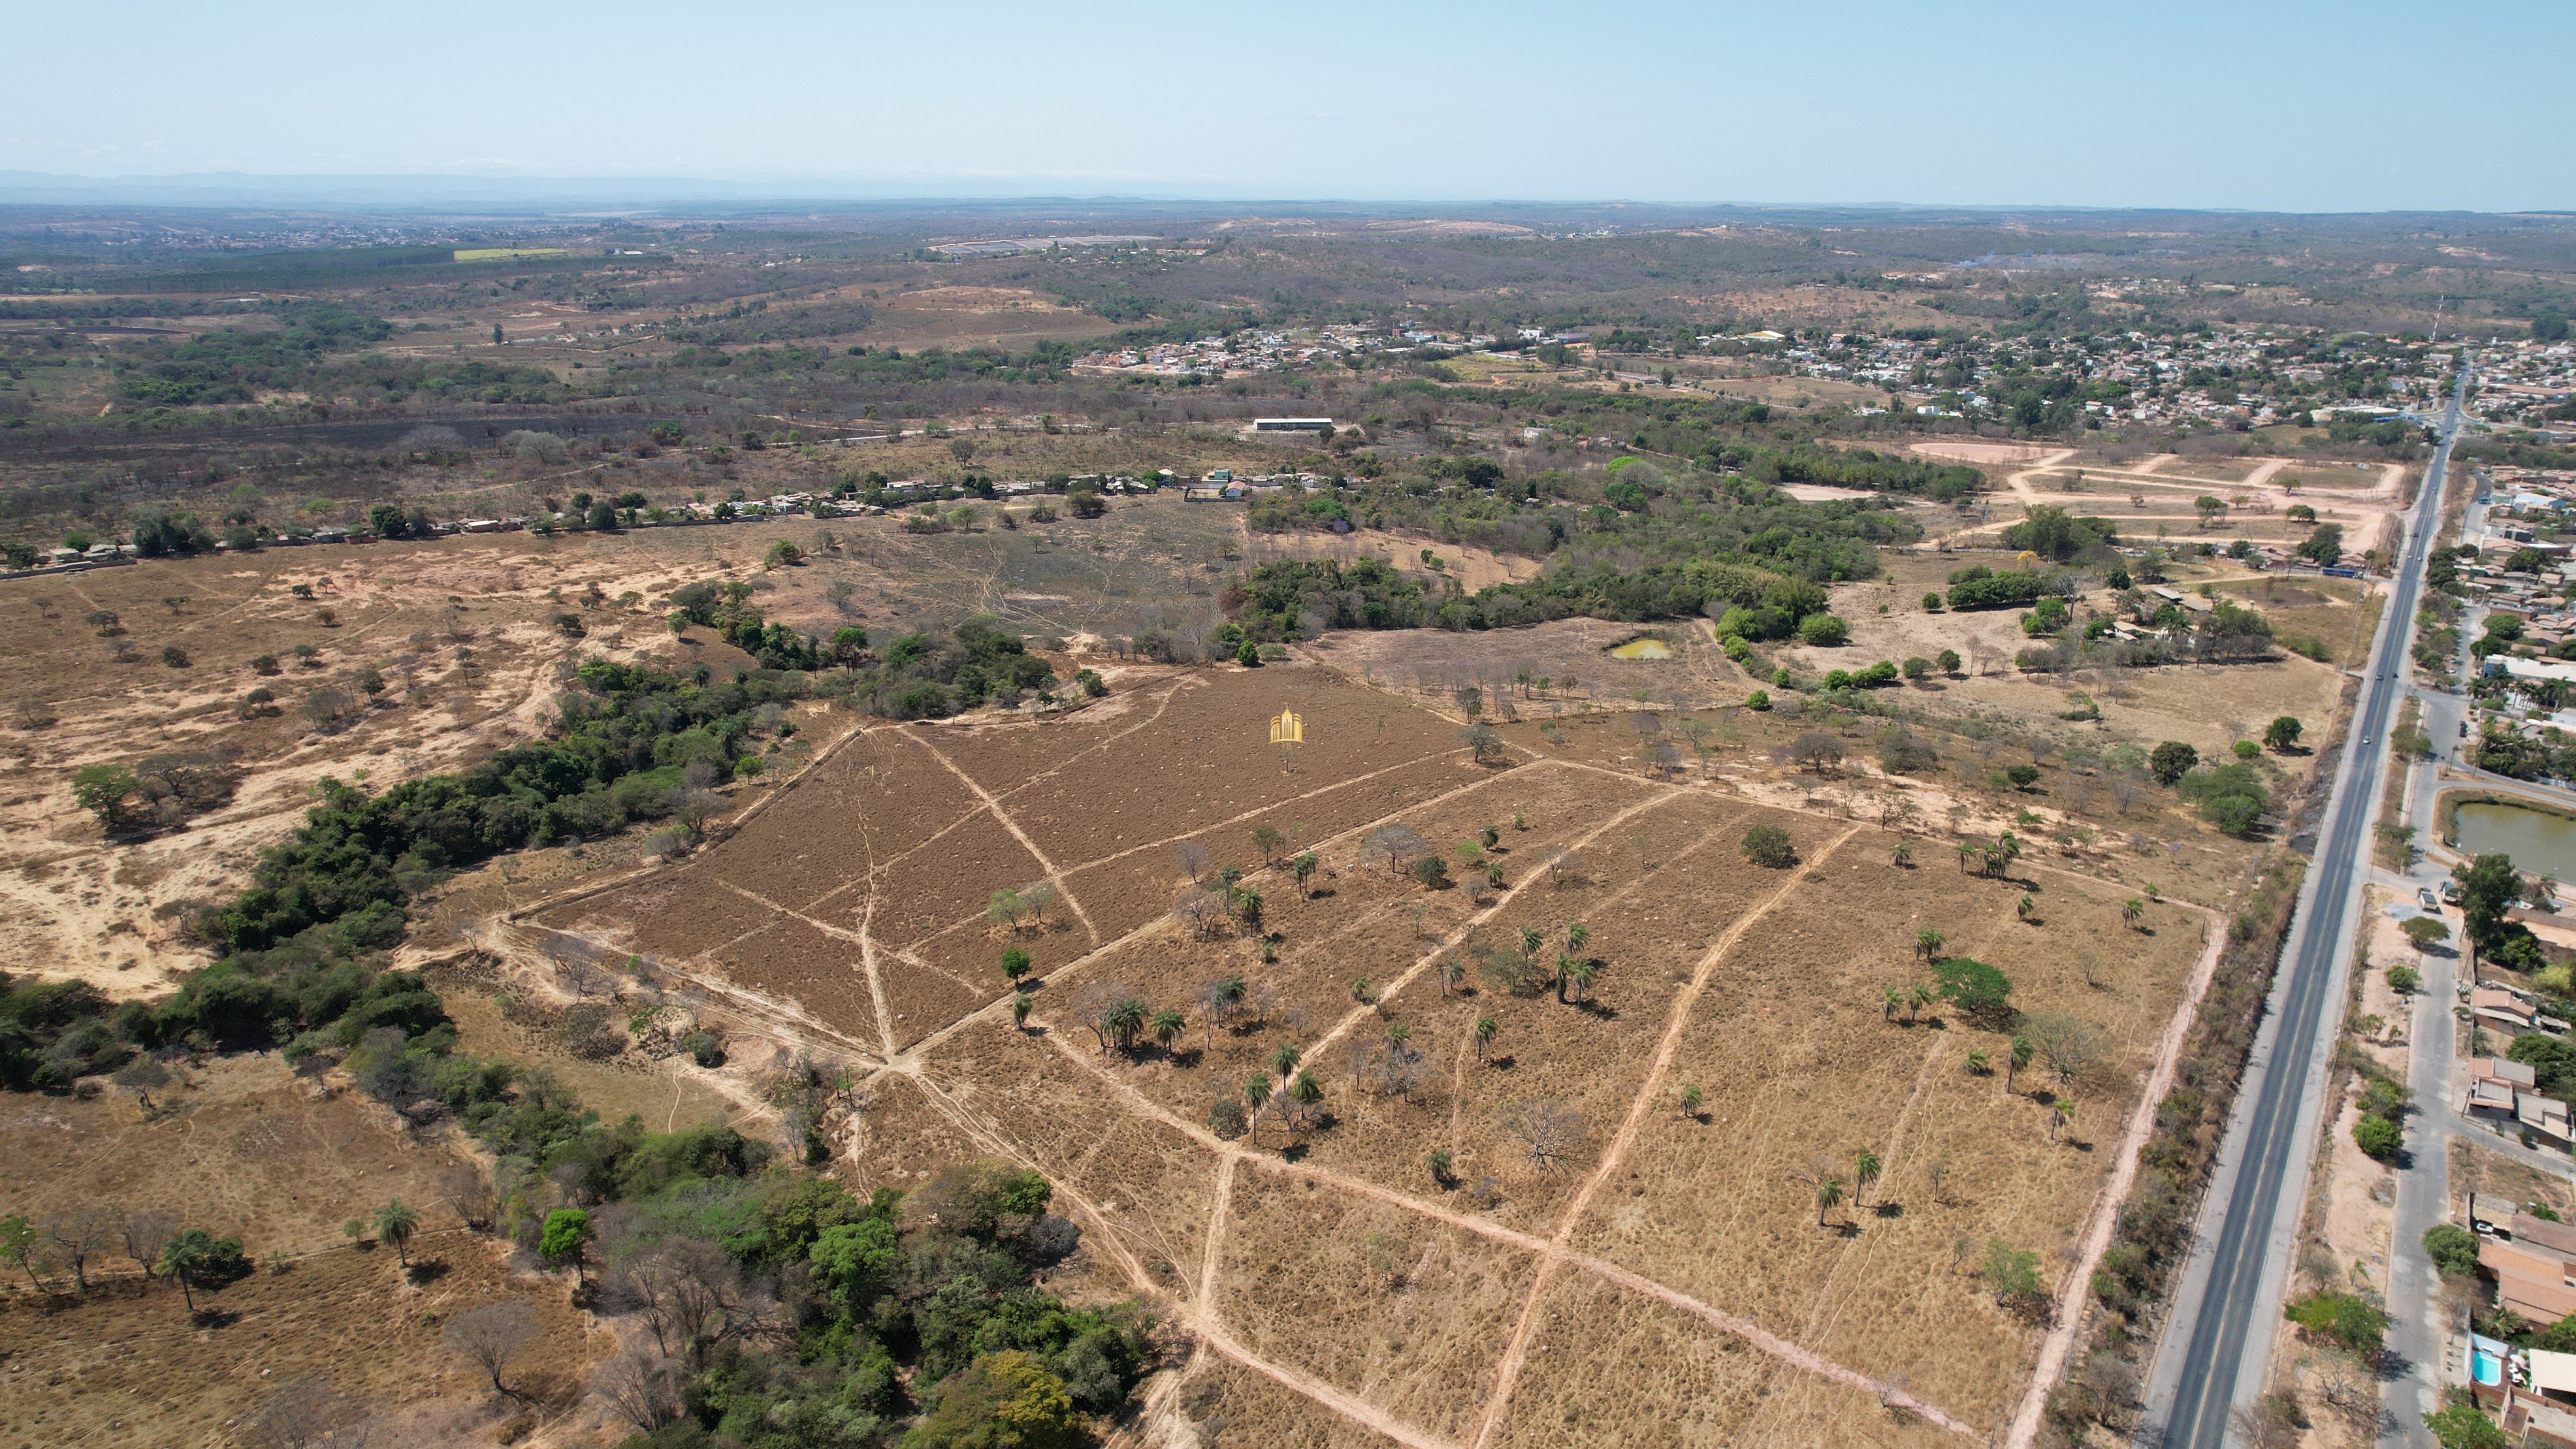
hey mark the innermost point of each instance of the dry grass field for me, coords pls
(1331, 1283)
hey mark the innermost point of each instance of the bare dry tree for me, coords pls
(643, 1388)
(80, 1235)
(1549, 1131)
(308, 1412)
(1395, 844)
(145, 1234)
(2068, 1044)
(1193, 859)
(1201, 911)
(490, 1336)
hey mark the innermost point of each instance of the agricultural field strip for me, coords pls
(1546, 1249)
(1457, 937)
(1829, 1306)
(2025, 863)
(510, 940)
(1516, 1354)
(1075, 965)
(2096, 1238)
(1209, 1330)
(968, 817)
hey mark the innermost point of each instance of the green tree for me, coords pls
(1865, 1167)
(1769, 845)
(2466, 1426)
(2171, 761)
(565, 1239)
(1485, 1029)
(395, 1223)
(1982, 993)
(103, 790)
(1948, 660)
(2488, 888)
(2323, 547)
(2010, 1274)
(2282, 734)
(1168, 1024)
(2344, 1319)
(1015, 964)
(192, 1257)
(1829, 1195)
(1304, 867)
(2019, 1057)
(1003, 1400)
(2404, 979)
(1267, 840)
(2453, 1249)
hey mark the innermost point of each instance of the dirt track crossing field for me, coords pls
(1327, 1281)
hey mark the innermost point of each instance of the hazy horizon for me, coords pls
(2001, 105)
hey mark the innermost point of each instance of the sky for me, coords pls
(2278, 105)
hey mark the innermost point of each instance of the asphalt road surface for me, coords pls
(2215, 1348)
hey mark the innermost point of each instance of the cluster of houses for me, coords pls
(2522, 383)
(2532, 1391)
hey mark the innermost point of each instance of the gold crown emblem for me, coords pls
(1288, 729)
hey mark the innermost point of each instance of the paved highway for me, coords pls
(2240, 1257)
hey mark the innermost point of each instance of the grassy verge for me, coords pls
(2393, 843)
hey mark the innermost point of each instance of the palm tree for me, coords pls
(1020, 1011)
(2023, 907)
(1864, 1172)
(1530, 939)
(1397, 1033)
(2021, 1055)
(2131, 910)
(1284, 1060)
(1977, 1063)
(1577, 936)
(1584, 972)
(396, 1221)
(1484, 1035)
(1125, 1020)
(1305, 1091)
(2061, 1113)
(1888, 1004)
(1167, 1026)
(1967, 852)
(184, 1257)
(1927, 944)
(1902, 855)
(1256, 1090)
(1921, 998)
(1829, 1195)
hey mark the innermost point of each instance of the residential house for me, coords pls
(2535, 1269)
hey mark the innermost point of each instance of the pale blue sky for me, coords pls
(2304, 106)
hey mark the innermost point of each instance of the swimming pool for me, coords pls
(2485, 1367)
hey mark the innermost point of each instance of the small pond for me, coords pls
(2539, 842)
(1647, 648)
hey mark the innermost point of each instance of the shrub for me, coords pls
(1758, 700)
(2378, 1137)
(1432, 872)
(1823, 630)
(2171, 761)
(1769, 845)
(2340, 1318)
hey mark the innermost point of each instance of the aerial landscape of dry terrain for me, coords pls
(766, 813)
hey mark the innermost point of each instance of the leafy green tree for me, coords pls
(1982, 993)
(2453, 1249)
(2404, 979)
(2488, 888)
(1769, 845)
(2011, 1274)
(2344, 1319)
(395, 1223)
(1020, 1011)
(1167, 1026)
(1949, 661)
(857, 1261)
(2466, 1426)
(1003, 1400)
(103, 790)
(2171, 761)
(565, 1239)
(1015, 964)
(2282, 734)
